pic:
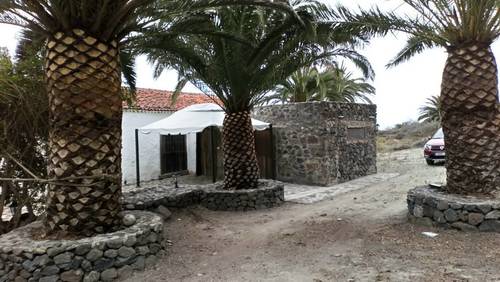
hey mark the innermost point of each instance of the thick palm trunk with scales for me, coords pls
(471, 120)
(84, 83)
(241, 169)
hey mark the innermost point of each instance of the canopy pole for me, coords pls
(137, 169)
(214, 154)
(273, 156)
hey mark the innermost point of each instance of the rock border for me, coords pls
(432, 206)
(104, 257)
(269, 194)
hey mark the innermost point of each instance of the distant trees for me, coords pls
(23, 134)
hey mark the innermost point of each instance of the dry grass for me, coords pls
(405, 136)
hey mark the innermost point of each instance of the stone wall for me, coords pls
(322, 143)
(269, 194)
(431, 206)
(104, 257)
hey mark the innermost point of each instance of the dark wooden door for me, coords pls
(204, 159)
(173, 154)
(263, 148)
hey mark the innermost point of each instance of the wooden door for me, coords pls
(264, 150)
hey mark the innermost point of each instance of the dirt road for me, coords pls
(359, 235)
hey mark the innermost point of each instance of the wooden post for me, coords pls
(214, 154)
(137, 169)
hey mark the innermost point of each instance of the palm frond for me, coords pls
(431, 111)
(414, 45)
(445, 23)
(127, 60)
(181, 83)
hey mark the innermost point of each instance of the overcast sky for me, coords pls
(400, 90)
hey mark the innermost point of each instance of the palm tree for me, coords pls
(333, 84)
(430, 111)
(83, 77)
(469, 96)
(241, 54)
(301, 86)
(343, 87)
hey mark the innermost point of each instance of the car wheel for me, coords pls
(430, 162)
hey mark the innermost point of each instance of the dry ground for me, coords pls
(360, 235)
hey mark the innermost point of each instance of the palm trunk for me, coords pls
(241, 169)
(84, 84)
(471, 120)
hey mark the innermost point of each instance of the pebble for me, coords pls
(129, 220)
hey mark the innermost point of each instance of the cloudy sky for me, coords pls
(400, 90)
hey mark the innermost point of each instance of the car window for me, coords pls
(439, 134)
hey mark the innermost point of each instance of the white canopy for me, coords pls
(194, 119)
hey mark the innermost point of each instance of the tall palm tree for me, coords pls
(83, 79)
(469, 94)
(240, 54)
(332, 84)
(431, 110)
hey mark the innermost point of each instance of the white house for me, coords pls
(152, 105)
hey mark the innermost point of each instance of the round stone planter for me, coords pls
(103, 257)
(269, 194)
(432, 206)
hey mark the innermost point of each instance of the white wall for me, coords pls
(149, 147)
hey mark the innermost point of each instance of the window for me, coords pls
(173, 153)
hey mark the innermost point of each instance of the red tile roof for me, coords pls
(161, 100)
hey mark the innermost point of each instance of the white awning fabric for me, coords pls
(194, 119)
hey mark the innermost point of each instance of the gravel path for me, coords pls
(304, 194)
(355, 235)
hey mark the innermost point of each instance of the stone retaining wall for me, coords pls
(322, 143)
(161, 195)
(269, 194)
(431, 206)
(100, 258)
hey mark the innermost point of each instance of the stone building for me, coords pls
(322, 143)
